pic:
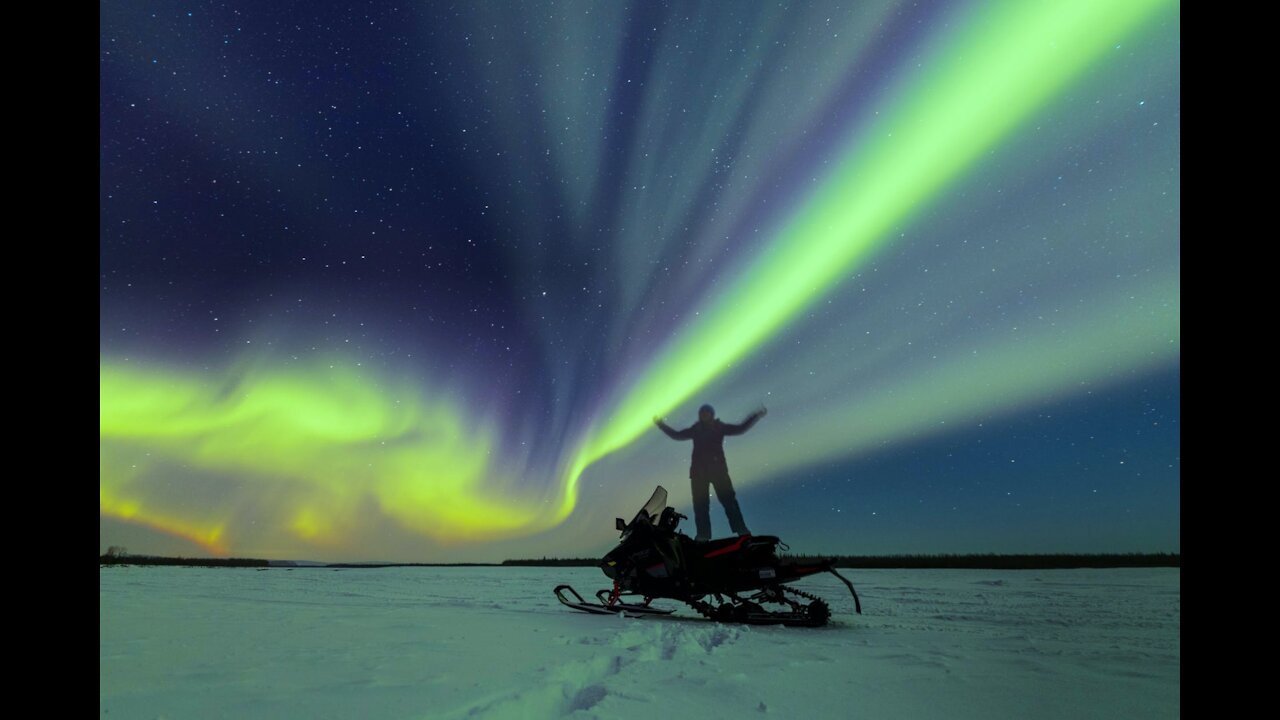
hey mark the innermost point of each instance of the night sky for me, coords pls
(409, 281)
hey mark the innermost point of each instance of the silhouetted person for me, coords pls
(708, 466)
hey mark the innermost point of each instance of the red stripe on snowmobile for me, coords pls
(728, 548)
(651, 568)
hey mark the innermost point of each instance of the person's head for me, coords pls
(706, 413)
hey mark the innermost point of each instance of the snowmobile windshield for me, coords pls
(653, 509)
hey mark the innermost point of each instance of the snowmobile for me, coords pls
(654, 560)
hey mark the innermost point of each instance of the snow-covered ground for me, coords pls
(494, 643)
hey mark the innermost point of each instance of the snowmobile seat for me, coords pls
(761, 548)
(749, 543)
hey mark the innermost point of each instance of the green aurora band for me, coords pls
(321, 439)
(1010, 60)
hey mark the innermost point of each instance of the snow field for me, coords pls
(494, 643)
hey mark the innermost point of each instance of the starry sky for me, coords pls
(386, 281)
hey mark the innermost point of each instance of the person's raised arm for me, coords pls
(745, 425)
(672, 433)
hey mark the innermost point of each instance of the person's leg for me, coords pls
(701, 507)
(728, 498)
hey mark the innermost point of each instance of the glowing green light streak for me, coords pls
(791, 81)
(1002, 373)
(1009, 61)
(324, 442)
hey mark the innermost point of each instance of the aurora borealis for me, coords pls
(409, 282)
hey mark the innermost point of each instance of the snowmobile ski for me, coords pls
(603, 608)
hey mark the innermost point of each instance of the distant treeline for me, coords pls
(115, 559)
(555, 562)
(976, 562)
(1006, 562)
(396, 565)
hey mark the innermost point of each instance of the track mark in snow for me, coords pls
(668, 642)
(587, 698)
(583, 684)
